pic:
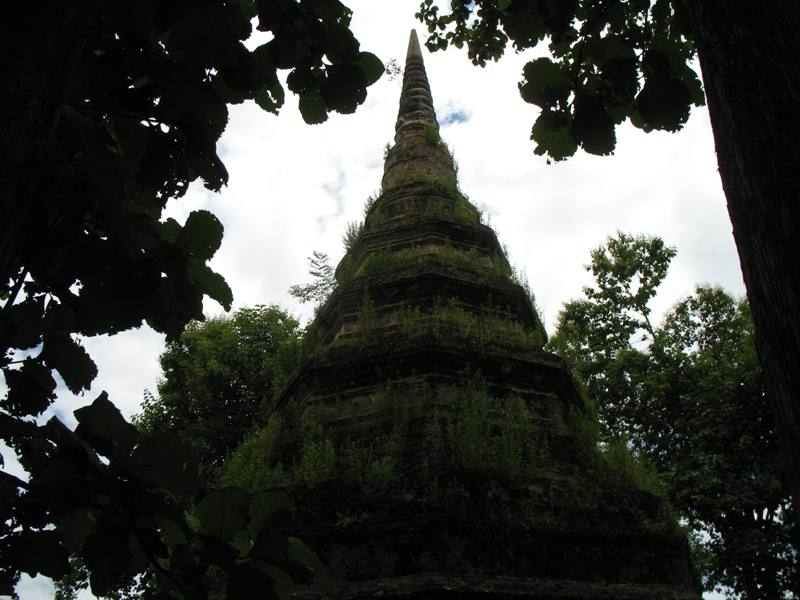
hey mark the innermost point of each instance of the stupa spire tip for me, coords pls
(414, 49)
(413, 157)
(416, 103)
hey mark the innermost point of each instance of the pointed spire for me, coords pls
(418, 153)
(416, 102)
(414, 51)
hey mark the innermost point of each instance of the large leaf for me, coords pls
(170, 530)
(201, 236)
(693, 85)
(330, 11)
(163, 312)
(552, 135)
(30, 388)
(281, 581)
(198, 40)
(224, 512)
(270, 516)
(270, 97)
(76, 526)
(247, 581)
(312, 107)
(545, 83)
(168, 462)
(71, 361)
(618, 83)
(664, 103)
(23, 323)
(270, 544)
(103, 426)
(591, 127)
(170, 230)
(8, 580)
(345, 88)
(11, 427)
(301, 554)
(523, 23)
(301, 80)
(371, 65)
(212, 284)
(269, 508)
(40, 552)
(603, 49)
(340, 44)
(282, 48)
(108, 558)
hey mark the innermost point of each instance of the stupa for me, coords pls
(437, 450)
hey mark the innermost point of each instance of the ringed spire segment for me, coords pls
(418, 153)
(416, 101)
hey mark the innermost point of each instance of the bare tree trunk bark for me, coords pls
(749, 57)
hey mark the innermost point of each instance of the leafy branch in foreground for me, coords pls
(110, 110)
(89, 163)
(131, 505)
(609, 61)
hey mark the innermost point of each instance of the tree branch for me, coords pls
(15, 290)
(14, 480)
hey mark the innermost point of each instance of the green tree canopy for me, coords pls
(220, 377)
(688, 395)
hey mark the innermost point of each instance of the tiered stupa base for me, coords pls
(436, 451)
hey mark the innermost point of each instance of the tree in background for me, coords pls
(220, 377)
(322, 284)
(110, 109)
(689, 396)
(613, 60)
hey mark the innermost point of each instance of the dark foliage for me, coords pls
(109, 110)
(609, 61)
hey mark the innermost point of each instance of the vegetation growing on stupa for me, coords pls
(439, 446)
(435, 440)
(475, 444)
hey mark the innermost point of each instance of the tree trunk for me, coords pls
(750, 57)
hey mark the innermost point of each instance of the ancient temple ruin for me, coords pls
(440, 452)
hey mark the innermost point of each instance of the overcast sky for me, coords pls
(293, 188)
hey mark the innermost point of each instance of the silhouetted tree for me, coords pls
(109, 110)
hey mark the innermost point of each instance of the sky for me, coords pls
(293, 189)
